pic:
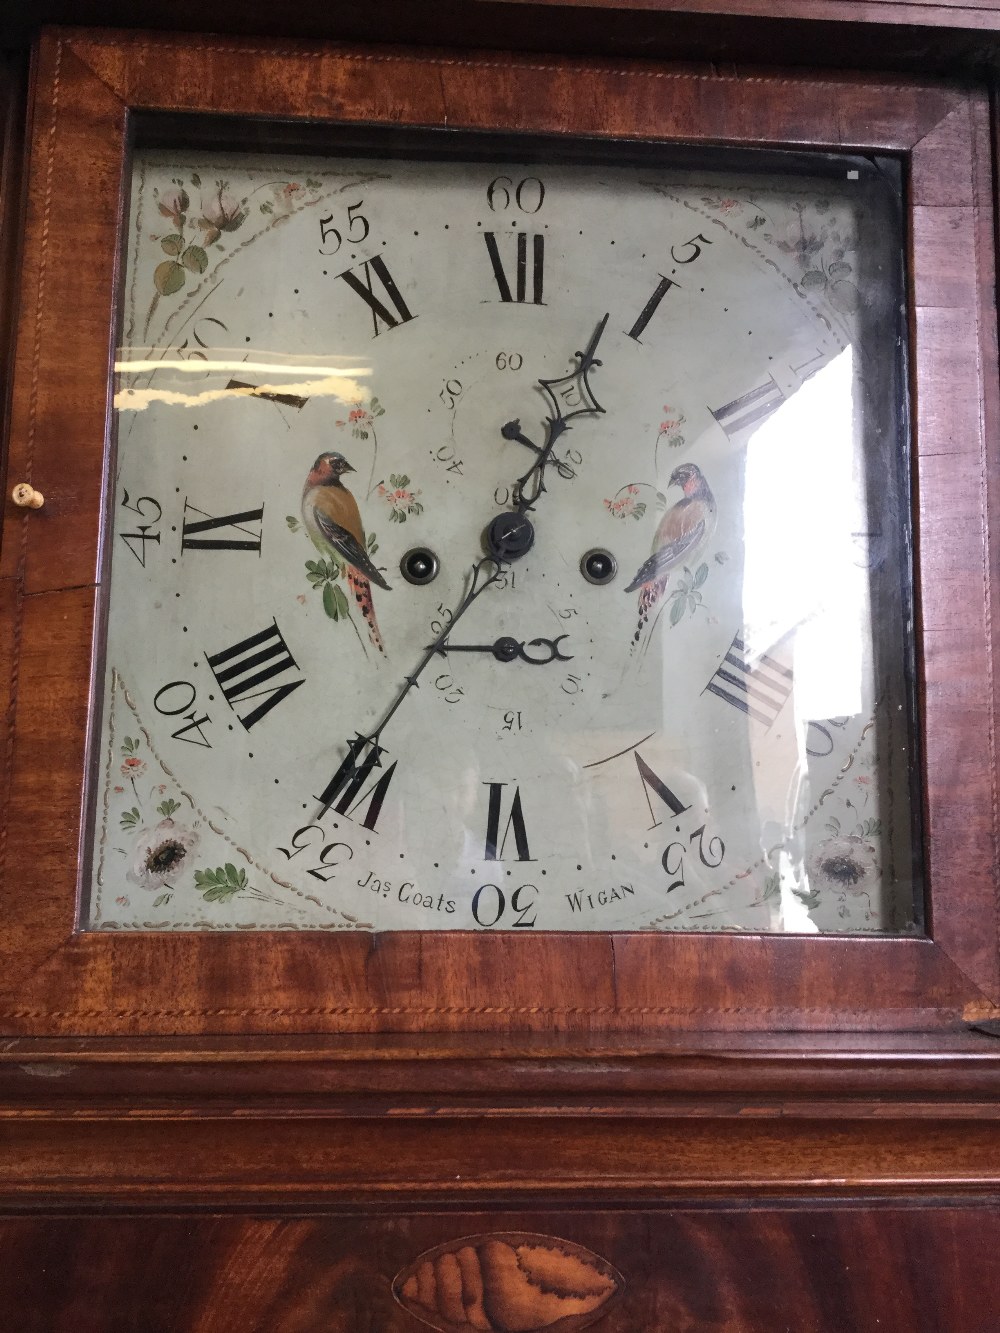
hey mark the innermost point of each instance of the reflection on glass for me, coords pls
(674, 696)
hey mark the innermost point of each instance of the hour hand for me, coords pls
(507, 649)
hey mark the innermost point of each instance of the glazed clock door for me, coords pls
(508, 545)
(504, 563)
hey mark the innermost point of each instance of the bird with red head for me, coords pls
(333, 520)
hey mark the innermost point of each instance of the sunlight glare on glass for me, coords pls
(803, 504)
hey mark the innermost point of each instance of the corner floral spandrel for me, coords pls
(160, 848)
(203, 215)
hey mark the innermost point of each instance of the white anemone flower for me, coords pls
(161, 854)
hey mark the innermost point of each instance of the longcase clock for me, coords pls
(498, 582)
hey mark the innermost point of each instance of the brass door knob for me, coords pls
(26, 497)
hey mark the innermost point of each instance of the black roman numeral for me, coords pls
(363, 757)
(366, 290)
(192, 538)
(651, 782)
(243, 672)
(268, 395)
(521, 273)
(515, 821)
(649, 309)
(750, 409)
(759, 691)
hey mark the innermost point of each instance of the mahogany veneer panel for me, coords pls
(857, 1270)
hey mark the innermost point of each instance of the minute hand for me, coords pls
(572, 392)
(479, 581)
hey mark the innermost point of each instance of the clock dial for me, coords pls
(507, 546)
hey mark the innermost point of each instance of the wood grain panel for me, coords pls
(867, 1270)
(895, 1076)
(65, 344)
(246, 1156)
(955, 335)
(506, 93)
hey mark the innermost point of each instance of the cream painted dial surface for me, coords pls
(682, 708)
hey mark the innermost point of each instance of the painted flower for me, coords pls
(361, 420)
(220, 212)
(843, 865)
(670, 426)
(133, 767)
(625, 503)
(123, 900)
(400, 496)
(119, 790)
(283, 199)
(161, 854)
(723, 205)
(173, 204)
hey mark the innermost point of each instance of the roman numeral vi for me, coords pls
(495, 843)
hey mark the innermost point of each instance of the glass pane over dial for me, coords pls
(505, 546)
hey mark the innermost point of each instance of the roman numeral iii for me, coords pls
(759, 690)
(245, 670)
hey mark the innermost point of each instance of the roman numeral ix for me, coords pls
(194, 538)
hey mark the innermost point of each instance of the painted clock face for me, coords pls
(507, 546)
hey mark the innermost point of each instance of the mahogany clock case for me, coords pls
(92, 92)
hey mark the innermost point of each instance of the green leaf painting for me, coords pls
(168, 277)
(220, 885)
